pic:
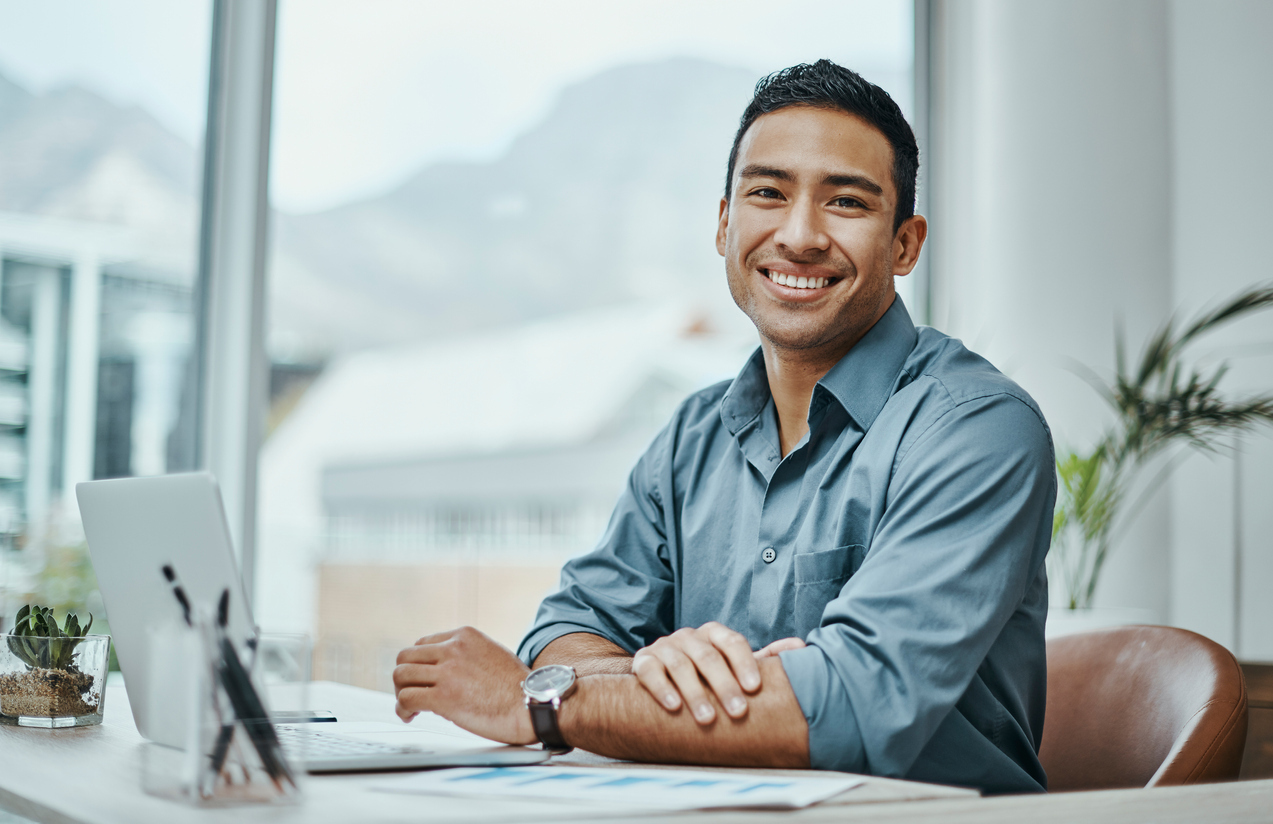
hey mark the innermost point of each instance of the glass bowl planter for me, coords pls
(35, 696)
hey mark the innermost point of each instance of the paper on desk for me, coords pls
(650, 789)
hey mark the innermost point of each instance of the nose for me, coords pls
(803, 228)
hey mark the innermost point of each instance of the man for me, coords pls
(867, 506)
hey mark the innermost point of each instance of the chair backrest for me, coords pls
(1142, 706)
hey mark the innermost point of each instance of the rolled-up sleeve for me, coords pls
(622, 590)
(964, 533)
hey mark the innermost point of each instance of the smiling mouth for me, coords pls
(794, 282)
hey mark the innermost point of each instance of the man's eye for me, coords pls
(848, 203)
(765, 191)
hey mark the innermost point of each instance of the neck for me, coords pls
(792, 375)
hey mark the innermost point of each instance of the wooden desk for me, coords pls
(93, 774)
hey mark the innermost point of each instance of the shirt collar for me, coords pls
(862, 381)
(747, 395)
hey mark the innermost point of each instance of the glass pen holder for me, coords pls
(215, 743)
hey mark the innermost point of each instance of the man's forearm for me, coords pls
(588, 654)
(614, 715)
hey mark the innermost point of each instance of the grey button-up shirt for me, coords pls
(903, 538)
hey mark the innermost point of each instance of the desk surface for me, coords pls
(94, 774)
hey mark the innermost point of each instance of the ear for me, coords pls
(907, 243)
(722, 224)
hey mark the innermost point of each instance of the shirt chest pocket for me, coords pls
(819, 577)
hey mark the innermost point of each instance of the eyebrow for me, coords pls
(860, 181)
(854, 180)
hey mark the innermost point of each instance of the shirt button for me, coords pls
(768, 555)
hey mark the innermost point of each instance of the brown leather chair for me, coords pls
(1142, 706)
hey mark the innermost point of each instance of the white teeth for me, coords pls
(794, 282)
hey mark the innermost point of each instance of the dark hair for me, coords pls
(825, 85)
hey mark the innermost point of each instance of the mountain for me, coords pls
(611, 196)
(70, 153)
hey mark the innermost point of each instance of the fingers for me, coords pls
(421, 654)
(711, 664)
(652, 674)
(781, 645)
(411, 683)
(737, 652)
(439, 637)
(414, 675)
(681, 669)
(433, 648)
(685, 676)
(411, 702)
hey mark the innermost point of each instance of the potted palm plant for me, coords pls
(1159, 403)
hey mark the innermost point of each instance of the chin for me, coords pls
(797, 336)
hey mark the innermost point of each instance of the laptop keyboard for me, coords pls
(313, 745)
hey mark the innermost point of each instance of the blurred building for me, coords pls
(95, 335)
(416, 489)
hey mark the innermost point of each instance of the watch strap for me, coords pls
(543, 719)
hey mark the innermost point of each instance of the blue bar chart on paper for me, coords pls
(654, 789)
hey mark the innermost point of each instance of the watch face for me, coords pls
(547, 683)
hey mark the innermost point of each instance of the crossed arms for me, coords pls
(466, 677)
(927, 663)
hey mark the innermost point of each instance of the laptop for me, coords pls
(135, 527)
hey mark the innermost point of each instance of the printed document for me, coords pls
(651, 789)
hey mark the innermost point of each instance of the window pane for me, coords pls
(493, 278)
(102, 111)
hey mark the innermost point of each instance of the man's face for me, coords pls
(807, 233)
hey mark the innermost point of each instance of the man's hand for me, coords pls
(467, 678)
(781, 645)
(674, 668)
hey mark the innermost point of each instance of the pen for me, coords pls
(222, 747)
(238, 688)
(171, 575)
(247, 704)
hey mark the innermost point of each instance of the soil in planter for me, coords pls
(46, 693)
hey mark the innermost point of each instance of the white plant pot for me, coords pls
(1063, 621)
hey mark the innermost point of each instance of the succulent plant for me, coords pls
(36, 622)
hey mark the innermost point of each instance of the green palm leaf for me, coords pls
(1162, 402)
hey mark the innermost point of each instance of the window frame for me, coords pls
(230, 300)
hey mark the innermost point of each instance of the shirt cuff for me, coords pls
(835, 739)
(534, 643)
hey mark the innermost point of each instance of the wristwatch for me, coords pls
(545, 688)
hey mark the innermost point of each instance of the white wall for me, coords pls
(1096, 164)
(1222, 208)
(1051, 211)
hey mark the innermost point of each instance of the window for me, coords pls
(493, 277)
(101, 118)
